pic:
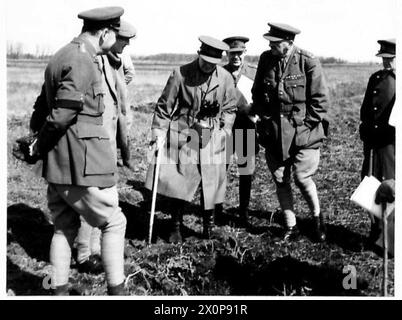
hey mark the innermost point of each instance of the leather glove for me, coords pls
(386, 192)
(26, 149)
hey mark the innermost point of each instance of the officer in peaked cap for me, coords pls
(387, 49)
(377, 134)
(126, 30)
(280, 32)
(236, 43)
(78, 162)
(290, 98)
(115, 122)
(195, 114)
(98, 18)
(211, 49)
(244, 142)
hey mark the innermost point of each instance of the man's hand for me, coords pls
(255, 118)
(386, 192)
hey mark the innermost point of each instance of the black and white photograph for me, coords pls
(210, 149)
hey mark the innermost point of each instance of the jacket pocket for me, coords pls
(98, 95)
(99, 158)
(296, 90)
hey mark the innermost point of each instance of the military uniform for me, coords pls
(74, 143)
(375, 132)
(192, 98)
(291, 98)
(242, 122)
(77, 156)
(114, 122)
(378, 135)
(291, 102)
(244, 138)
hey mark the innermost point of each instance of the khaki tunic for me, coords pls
(72, 142)
(184, 164)
(292, 103)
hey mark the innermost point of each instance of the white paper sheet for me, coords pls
(364, 196)
(393, 117)
(245, 85)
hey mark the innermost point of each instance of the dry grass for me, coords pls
(236, 261)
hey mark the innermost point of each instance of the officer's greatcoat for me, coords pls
(377, 135)
(291, 101)
(376, 109)
(184, 164)
(72, 142)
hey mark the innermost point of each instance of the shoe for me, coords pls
(175, 235)
(118, 290)
(319, 229)
(290, 233)
(92, 265)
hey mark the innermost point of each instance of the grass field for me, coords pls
(237, 261)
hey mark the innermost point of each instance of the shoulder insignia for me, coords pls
(305, 53)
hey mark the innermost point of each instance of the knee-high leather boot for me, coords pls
(320, 228)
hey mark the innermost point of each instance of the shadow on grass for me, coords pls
(24, 283)
(284, 276)
(138, 215)
(29, 228)
(336, 234)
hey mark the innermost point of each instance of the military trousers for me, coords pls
(88, 241)
(303, 163)
(99, 207)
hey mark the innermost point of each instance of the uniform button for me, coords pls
(280, 92)
(281, 115)
(375, 91)
(375, 108)
(376, 126)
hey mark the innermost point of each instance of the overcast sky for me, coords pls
(346, 29)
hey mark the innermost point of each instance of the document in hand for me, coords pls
(393, 118)
(245, 85)
(364, 196)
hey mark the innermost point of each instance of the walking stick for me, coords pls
(387, 210)
(154, 193)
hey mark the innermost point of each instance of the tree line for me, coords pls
(16, 51)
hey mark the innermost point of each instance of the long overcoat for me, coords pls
(185, 164)
(292, 103)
